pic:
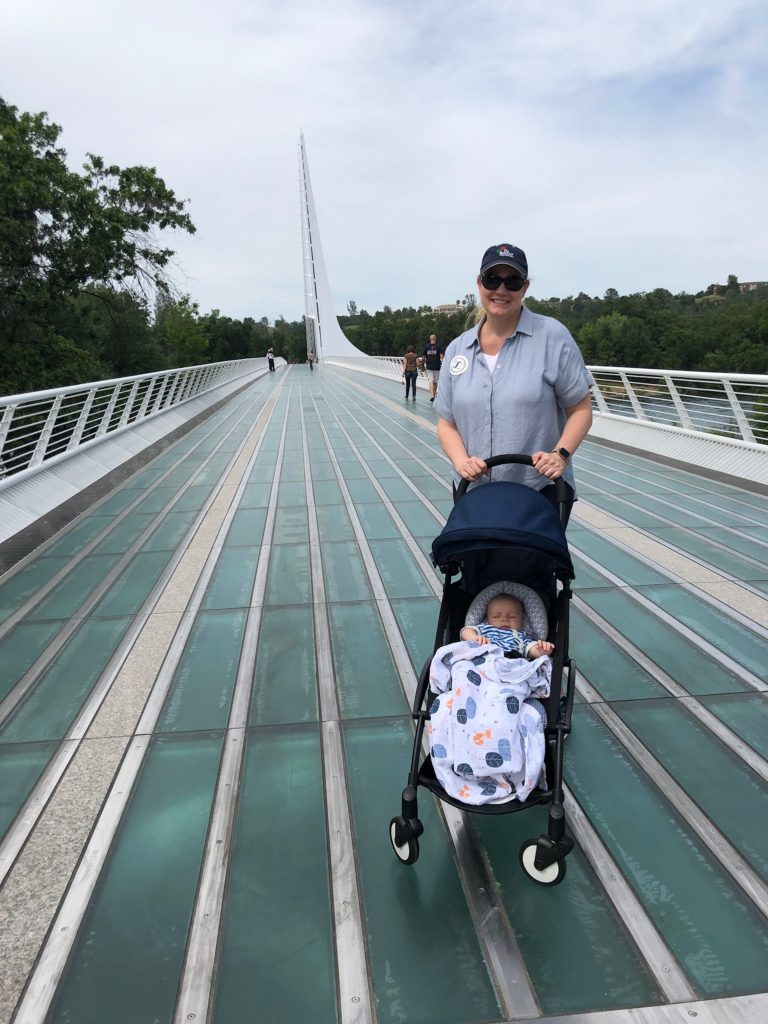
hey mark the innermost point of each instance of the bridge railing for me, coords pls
(728, 405)
(39, 426)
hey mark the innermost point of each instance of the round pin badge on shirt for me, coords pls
(458, 365)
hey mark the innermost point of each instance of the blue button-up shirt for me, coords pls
(520, 406)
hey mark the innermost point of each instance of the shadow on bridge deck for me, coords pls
(205, 730)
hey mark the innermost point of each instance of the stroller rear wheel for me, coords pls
(553, 874)
(404, 843)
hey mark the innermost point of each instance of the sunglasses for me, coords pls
(491, 281)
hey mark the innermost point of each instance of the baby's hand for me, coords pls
(541, 648)
(480, 639)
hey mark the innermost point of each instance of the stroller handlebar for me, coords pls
(522, 460)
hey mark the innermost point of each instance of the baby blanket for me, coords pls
(487, 744)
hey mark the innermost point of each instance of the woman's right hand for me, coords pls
(471, 468)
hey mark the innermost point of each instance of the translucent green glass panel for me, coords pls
(732, 796)
(576, 951)
(417, 620)
(128, 593)
(156, 500)
(170, 532)
(612, 672)
(125, 533)
(322, 471)
(27, 581)
(699, 546)
(118, 501)
(285, 675)
(377, 522)
(416, 917)
(255, 495)
(21, 765)
(289, 580)
(231, 584)
(398, 490)
(367, 682)
(746, 714)
(714, 625)
(419, 519)
(718, 937)
(193, 499)
(67, 596)
(399, 572)
(624, 565)
(201, 692)
(362, 490)
(684, 662)
(21, 648)
(276, 958)
(345, 575)
(51, 706)
(291, 492)
(587, 578)
(263, 470)
(326, 492)
(383, 471)
(354, 471)
(246, 528)
(333, 524)
(215, 469)
(128, 957)
(291, 526)
(77, 537)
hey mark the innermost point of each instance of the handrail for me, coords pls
(727, 405)
(41, 425)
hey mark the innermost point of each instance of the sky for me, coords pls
(621, 145)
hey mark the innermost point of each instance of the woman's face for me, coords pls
(499, 301)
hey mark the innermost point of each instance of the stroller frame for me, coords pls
(542, 857)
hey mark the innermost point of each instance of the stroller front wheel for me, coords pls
(553, 874)
(407, 849)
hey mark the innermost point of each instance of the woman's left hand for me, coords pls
(549, 464)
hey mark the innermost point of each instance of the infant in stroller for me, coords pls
(504, 626)
(486, 726)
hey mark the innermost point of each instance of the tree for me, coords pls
(352, 307)
(63, 234)
(186, 343)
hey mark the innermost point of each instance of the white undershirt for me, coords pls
(491, 361)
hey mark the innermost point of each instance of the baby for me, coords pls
(504, 626)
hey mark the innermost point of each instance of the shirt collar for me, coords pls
(524, 326)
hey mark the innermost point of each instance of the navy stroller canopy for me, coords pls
(504, 515)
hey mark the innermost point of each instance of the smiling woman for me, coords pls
(514, 383)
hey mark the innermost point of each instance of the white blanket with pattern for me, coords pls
(487, 745)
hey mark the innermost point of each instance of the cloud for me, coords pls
(621, 146)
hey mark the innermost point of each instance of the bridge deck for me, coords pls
(204, 731)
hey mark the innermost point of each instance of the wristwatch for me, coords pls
(563, 453)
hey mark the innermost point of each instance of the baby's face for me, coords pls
(505, 613)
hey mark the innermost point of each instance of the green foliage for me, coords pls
(65, 236)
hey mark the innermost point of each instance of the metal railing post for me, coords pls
(45, 434)
(82, 419)
(682, 412)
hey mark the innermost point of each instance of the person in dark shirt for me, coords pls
(432, 360)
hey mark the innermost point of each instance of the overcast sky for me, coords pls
(622, 145)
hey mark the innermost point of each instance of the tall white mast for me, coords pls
(324, 335)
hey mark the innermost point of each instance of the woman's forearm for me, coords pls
(450, 441)
(577, 425)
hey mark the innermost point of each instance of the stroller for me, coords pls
(502, 537)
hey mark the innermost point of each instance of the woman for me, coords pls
(514, 383)
(410, 371)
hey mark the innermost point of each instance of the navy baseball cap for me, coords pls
(505, 255)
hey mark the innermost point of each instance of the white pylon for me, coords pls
(324, 335)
